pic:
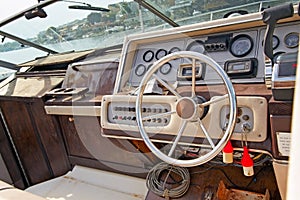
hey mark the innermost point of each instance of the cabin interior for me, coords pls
(151, 118)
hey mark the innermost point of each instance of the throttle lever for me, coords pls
(270, 17)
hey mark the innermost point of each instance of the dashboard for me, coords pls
(236, 45)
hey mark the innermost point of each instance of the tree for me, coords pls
(53, 33)
(94, 17)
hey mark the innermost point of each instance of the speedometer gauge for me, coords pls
(241, 45)
(291, 40)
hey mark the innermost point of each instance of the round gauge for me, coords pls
(241, 45)
(275, 42)
(165, 69)
(196, 46)
(174, 49)
(140, 70)
(160, 53)
(148, 56)
(291, 40)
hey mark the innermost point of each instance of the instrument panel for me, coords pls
(240, 53)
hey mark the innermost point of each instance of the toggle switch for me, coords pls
(246, 127)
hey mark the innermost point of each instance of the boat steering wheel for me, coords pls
(188, 109)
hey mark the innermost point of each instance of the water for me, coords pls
(28, 53)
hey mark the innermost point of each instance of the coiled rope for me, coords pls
(157, 185)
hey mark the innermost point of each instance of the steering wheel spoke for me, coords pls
(177, 138)
(166, 85)
(215, 100)
(193, 78)
(210, 141)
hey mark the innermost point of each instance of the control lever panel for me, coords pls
(244, 120)
(251, 118)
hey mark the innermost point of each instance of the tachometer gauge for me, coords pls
(241, 45)
(165, 69)
(148, 56)
(291, 40)
(196, 46)
(140, 70)
(160, 53)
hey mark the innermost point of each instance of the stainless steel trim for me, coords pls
(285, 162)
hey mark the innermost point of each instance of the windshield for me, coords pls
(61, 28)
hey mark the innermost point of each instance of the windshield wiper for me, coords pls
(156, 12)
(86, 6)
(26, 42)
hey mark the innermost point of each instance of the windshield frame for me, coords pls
(21, 14)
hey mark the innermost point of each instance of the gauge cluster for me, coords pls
(285, 40)
(148, 54)
(239, 53)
